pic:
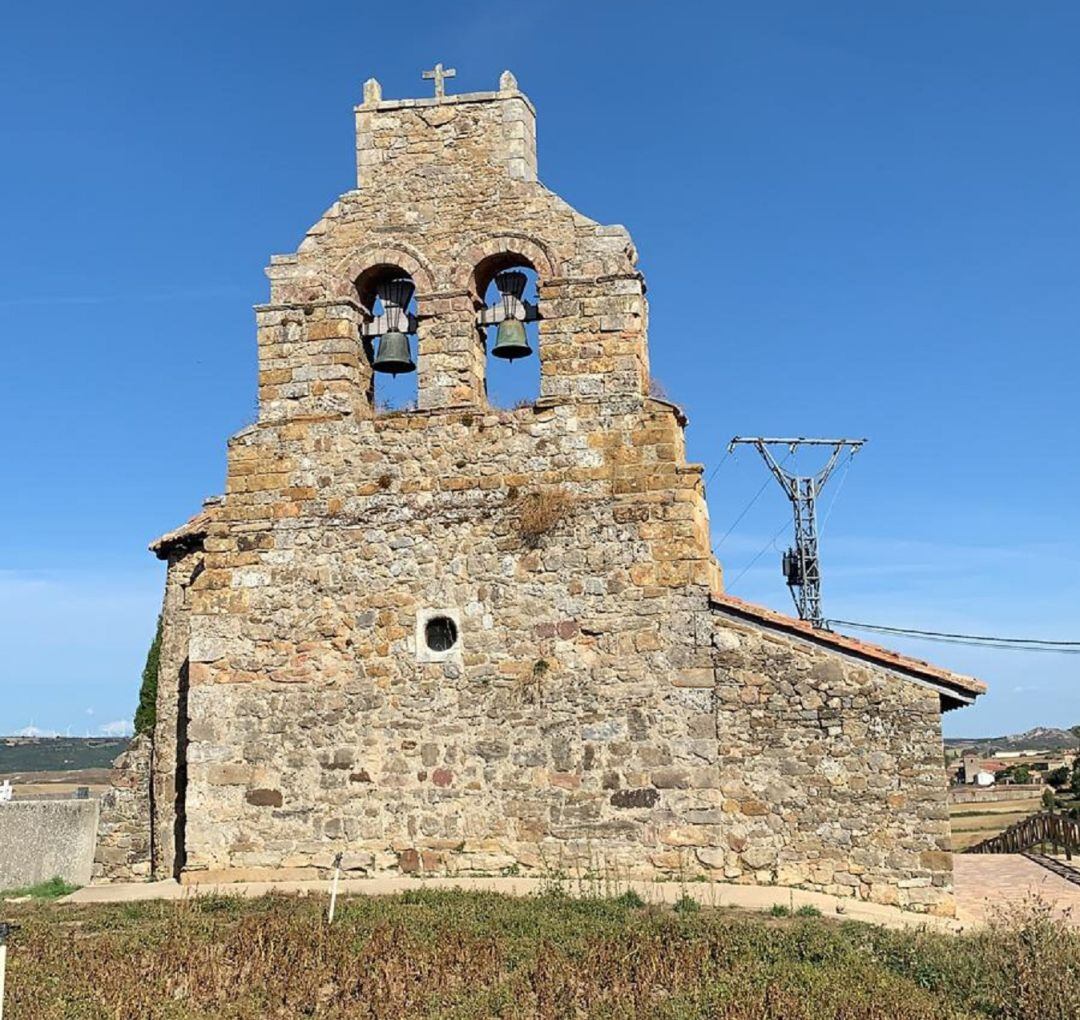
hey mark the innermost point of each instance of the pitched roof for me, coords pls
(963, 688)
(190, 533)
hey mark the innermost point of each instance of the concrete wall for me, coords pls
(44, 838)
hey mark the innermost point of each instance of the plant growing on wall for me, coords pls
(146, 713)
(531, 684)
(540, 512)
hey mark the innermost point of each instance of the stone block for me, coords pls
(640, 798)
(670, 779)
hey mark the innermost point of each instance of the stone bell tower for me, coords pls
(447, 195)
(461, 638)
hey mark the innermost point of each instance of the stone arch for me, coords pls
(398, 391)
(477, 261)
(389, 253)
(476, 265)
(374, 273)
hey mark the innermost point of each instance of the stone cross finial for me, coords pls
(439, 74)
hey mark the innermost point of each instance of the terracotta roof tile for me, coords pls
(967, 686)
(194, 529)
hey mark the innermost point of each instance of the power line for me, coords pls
(720, 463)
(836, 492)
(989, 640)
(764, 549)
(745, 509)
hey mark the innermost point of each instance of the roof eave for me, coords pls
(954, 689)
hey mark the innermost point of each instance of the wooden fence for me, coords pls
(1057, 832)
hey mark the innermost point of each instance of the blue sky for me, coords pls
(854, 219)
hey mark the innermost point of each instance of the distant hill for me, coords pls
(1041, 738)
(58, 754)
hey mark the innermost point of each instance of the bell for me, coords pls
(511, 341)
(394, 354)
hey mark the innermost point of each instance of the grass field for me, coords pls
(972, 823)
(58, 754)
(456, 955)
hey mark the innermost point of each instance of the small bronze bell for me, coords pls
(394, 355)
(511, 341)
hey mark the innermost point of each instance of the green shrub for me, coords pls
(686, 905)
(216, 903)
(808, 910)
(630, 899)
(1059, 777)
(780, 910)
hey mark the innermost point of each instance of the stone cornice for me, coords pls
(454, 100)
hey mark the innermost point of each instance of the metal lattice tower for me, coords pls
(801, 564)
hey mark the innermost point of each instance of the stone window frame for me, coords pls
(426, 654)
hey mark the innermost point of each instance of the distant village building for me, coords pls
(460, 638)
(1001, 766)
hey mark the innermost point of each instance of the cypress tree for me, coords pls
(146, 713)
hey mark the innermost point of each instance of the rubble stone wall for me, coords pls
(831, 772)
(125, 824)
(318, 721)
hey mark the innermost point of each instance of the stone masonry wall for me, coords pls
(594, 711)
(831, 772)
(124, 836)
(170, 732)
(316, 724)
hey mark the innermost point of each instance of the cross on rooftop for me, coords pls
(439, 74)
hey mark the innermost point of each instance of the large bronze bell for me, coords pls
(394, 354)
(511, 341)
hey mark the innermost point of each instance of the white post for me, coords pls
(6, 931)
(333, 897)
(3, 967)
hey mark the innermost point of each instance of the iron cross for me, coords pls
(439, 74)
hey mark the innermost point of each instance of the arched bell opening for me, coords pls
(387, 295)
(508, 319)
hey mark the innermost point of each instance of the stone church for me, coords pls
(462, 639)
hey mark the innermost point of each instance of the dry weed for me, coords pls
(540, 512)
(451, 954)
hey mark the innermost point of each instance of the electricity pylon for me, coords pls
(801, 564)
